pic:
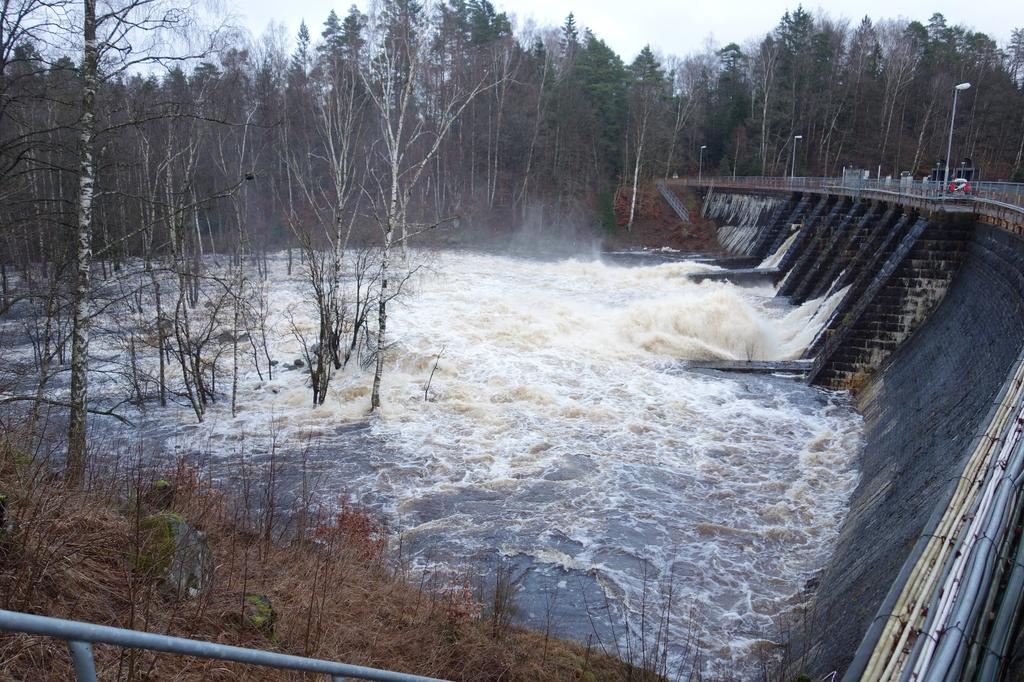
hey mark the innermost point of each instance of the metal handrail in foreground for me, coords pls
(81, 636)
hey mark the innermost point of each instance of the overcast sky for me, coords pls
(673, 26)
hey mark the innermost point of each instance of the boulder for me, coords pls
(175, 552)
(259, 613)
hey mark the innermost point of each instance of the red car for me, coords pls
(960, 186)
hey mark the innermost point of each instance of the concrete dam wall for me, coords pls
(923, 410)
(928, 332)
(740, 217)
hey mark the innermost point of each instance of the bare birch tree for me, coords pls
(900, 57)
(648, 91)
(325, 171)
(126, 35)
(83, 246)
(409, 140)
(768, 58)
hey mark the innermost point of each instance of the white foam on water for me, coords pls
(805, 323)
(561, 426)
(554, 396)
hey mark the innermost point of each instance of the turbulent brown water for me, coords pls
(564, 433)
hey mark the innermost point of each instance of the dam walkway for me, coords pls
(997, 203)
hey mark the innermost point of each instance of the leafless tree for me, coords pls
(408, 142)
(122, 35)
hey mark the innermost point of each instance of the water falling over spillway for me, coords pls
(562, 430)
(773, 260)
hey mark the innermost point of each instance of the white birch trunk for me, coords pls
(636, 170)
(75, 467)
(382, 305)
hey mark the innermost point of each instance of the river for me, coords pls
(563, 434)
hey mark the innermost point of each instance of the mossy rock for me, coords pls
(170, 549)
(156, 544)
(150, 499)
(259, 613)
(160, 495)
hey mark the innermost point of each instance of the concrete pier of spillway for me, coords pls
(929, 335)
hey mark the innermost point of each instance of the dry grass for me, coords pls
(68, 553)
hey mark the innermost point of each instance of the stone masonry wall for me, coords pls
(922, 410)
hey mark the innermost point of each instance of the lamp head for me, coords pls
(963, 86)
(703, 146)
(798, 137)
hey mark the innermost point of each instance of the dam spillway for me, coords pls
(929, 334)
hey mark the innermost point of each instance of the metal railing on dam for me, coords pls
(1000, 203)
(81, 636)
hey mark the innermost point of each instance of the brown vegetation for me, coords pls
(335, 591)
(656, 224)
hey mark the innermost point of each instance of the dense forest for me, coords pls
(555, 116)
(245, 131)
(140, 132)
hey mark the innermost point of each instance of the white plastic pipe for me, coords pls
(890, 653)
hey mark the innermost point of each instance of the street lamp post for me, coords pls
(792, 170)
(700, 166)
(952, 119)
